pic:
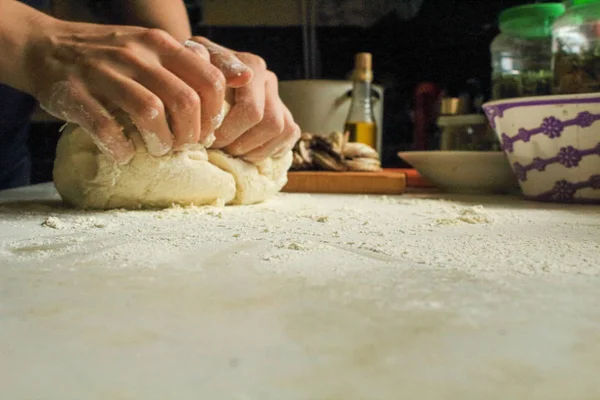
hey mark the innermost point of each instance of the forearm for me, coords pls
(168, 15)
(18, 25)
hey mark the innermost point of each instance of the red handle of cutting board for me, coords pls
(413, 178)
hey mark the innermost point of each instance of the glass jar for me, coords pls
(522, 52)
(466, 132)
(576, 48)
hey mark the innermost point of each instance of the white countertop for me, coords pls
(303, 297)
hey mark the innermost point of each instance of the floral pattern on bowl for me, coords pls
(553, 145)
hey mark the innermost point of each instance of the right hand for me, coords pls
(82, 73)
(259, 124)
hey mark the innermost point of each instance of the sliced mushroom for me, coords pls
(297, 162)
(333, 153)
(359, 150)
(306, 136)
(328, 162)
(305, 152)
(319, 143)
(336, 140)
(363, 164)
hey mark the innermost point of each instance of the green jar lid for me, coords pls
(573, 3)
(532, 20)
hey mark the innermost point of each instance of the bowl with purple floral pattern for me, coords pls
(552, 144)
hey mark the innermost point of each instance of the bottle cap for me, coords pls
(363, 61)
(363, 64)
(581, 2)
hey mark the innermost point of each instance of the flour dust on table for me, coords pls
(300, 297)
(86, 178)
(478, 235)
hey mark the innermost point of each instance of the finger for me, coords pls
(205, 79)
(291, 134)
(278, 146)
(145, 109)
(247, 111)
(198, 48)
(271, 126)
(237, 73)
(292, 138)
(182, 104)
(73, 103)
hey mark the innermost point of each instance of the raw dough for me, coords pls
(85, 178)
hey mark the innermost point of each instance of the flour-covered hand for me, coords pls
(258, 125)
(83, 73)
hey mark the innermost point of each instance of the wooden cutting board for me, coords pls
(382, 182)
(387, 181)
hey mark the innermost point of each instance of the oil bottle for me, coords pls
(360, 122)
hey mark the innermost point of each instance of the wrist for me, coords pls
(17, 34)
(36, 48)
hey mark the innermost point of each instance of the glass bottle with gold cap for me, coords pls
(360, 122)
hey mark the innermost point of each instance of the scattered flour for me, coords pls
(77, 223)
(296, 232)
(53, 222)
(469, 215)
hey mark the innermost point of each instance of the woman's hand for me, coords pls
(84, 72)
(258, 125)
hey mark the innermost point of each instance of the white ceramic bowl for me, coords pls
(553, 145)
(464, 171)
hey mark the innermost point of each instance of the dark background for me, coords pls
(446, 43)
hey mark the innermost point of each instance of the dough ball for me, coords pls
(254, 183)
(85, 178)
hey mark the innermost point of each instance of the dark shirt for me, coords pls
(15, 112)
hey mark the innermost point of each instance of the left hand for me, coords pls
(258, 125)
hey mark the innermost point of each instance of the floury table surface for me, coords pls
(303, 297)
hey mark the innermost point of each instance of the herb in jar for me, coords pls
(577, 73)
(528, 83)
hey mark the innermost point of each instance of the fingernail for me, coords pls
(154, 144)
(237, 68)
(209, 141)
(231, 67)
(117, 149)
(127, 154)
(197, 48)
(217, 120)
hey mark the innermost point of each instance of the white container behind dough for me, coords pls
(321, 106)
